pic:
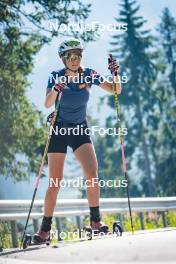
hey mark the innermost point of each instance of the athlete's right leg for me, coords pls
(56, 166)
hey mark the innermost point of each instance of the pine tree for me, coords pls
(167, 29)
(132, 47)
(164, 139)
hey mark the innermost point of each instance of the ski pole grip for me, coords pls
(110, 59)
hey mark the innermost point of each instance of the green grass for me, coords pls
(151, 221)
(5, 236)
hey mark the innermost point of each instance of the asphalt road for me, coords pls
(144, 246)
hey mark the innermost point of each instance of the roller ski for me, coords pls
(99, 229)
(40, 238)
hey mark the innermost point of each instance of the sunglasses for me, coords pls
(72, 56)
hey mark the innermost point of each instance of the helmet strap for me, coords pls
(72, 70)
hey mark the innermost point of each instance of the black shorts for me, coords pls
(64, 136)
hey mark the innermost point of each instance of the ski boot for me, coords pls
(99, 227)
(95, 229)
(41, 237)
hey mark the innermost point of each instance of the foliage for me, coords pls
(5, 237)
(171, 219)
(148, 106)
(163, 140)
(45, 19)
(133, 49)
(151, 220)
(19, 119)
(167, 30)
(24, 30)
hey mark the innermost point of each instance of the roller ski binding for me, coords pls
(40, 238)
(98, 229)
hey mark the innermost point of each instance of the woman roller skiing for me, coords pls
(72, 113)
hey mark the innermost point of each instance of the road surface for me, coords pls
(143, 246)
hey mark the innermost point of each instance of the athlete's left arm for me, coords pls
(109, 87)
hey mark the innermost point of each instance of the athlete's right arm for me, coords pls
(50, 97)
(54, 87)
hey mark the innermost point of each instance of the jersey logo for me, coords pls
(93, 73)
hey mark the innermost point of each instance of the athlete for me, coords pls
(71, 85)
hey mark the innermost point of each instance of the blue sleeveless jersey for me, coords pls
(73, 104)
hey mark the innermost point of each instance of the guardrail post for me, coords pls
(36, 225)
(121, 220)
(14, 233)
(141, 216)
(164, 219)
(59, 227)
(78, 221)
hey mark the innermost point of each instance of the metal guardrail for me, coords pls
(18, 209)
(15, 210)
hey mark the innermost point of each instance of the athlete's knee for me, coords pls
(92, 172)
(54, 183)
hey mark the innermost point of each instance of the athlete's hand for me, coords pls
(113, 66)
(58, 87)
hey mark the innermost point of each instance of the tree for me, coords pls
(110, 164)
(22, 131)
(167, 29)
(164, 138)
(36, 17)
(133, 47)
(23, 31)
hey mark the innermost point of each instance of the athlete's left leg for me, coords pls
(85, 154)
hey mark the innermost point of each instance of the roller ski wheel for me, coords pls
(27, 241)
(117, 228)
(88, 231)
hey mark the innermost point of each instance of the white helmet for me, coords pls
(69, 44)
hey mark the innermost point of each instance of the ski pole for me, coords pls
(41, 167)
(110, 59)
